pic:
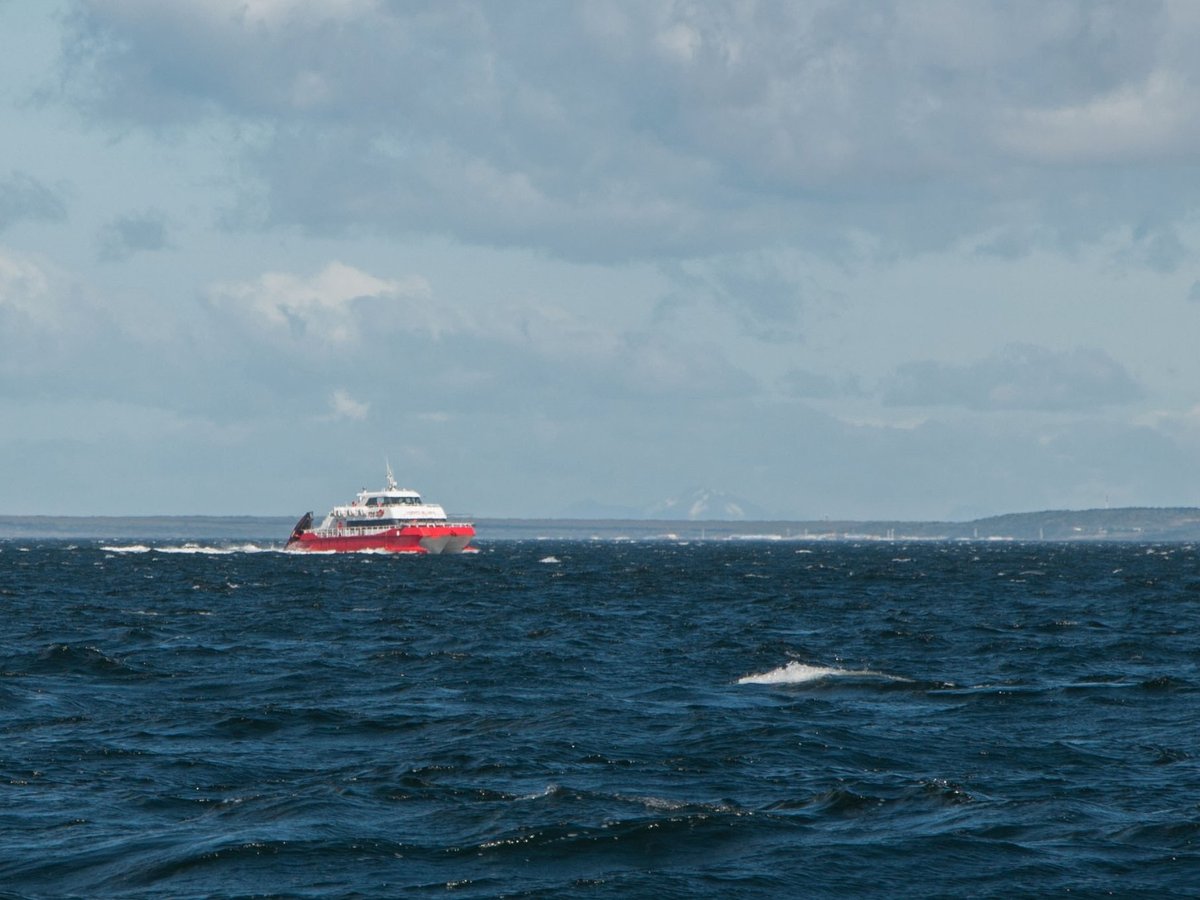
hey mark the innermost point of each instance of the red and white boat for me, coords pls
(394, 519)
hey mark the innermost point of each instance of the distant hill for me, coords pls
(1128, 524)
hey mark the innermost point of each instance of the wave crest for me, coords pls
(801, 673)
(190, 548)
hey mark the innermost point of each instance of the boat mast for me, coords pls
(391, 481)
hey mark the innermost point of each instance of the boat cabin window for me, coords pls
(391, 501)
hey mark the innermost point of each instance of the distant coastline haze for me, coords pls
(1131, 525)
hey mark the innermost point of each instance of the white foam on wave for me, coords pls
(548, 791)
(667, 804)
(189, 549)
(550, 560)
(211, 550)
(800, 673)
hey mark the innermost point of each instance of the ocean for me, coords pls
(552, 718)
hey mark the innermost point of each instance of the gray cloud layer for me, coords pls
(133, 233)
(621, 130)
(24, 198)
(1022, 377)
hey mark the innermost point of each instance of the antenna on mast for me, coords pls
(391, 481)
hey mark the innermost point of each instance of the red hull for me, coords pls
(408, 539)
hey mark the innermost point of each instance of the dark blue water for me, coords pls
(601, 720)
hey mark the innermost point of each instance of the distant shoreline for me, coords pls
(1143, 524)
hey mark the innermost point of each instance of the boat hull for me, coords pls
(435, 539)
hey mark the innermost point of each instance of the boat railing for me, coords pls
(389, 526)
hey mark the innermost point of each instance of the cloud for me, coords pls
(270, 338)
(1021, 377)
(133, 233)
(50, 326)
(567, 354)
(765, 294)
(253, 350)
(64, 341)
(271, 13)
(664, 129)
(332, 308)
(649, 364)
(806, 384)
(1153, 117)
(1156, 247)
(23, 199)
(346, 407)
(25, 289)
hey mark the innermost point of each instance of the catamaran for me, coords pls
(394, 519)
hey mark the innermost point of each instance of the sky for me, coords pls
(915, 260)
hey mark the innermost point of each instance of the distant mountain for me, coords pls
(705, 504)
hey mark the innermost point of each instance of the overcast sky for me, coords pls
(911, 259)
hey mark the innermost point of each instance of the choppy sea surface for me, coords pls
(547, 719)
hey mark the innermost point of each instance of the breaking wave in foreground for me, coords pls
(799, 673)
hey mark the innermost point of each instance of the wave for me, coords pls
(231, 548)
(690, 831)
(189, 548)
(77, 659)
(801, 673)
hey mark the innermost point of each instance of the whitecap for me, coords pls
(189, 548)
(801, 673)
(548, 791)
(550, 560)
(213, 550)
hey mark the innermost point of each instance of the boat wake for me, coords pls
(189, 548)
